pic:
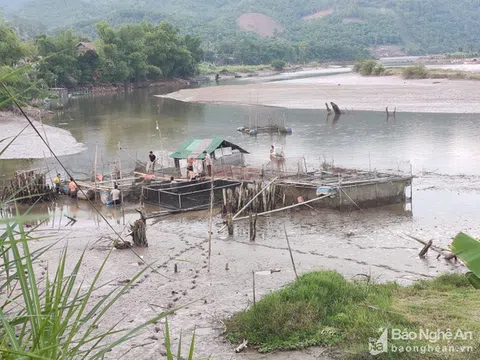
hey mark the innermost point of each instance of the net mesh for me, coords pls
(186, 195)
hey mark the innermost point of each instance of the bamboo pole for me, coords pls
(239, 212)
(210, 222)
(253, 276)
(284, 208)
(95, 170)
(228, 207)
(290, 250)
(161, 147)
(121, 190)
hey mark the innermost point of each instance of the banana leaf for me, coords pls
(467, 249)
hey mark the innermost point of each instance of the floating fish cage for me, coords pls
(181, 196)
(273, 129)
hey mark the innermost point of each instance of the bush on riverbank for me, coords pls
(415, 72)
(369, 68)
(278, 65)
(322, 308)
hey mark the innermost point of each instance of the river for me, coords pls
(441, 142)
(441, 148)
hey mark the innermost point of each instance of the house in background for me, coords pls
(84, 46)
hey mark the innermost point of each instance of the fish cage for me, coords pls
(182, 196)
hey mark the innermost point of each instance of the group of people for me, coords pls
(115, 193)
(206, 164)
(72, 186)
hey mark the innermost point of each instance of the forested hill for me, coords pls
(290, 29)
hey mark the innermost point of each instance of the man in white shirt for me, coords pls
(207, 162)
(115, 193)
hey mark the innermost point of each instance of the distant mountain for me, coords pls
(391, 27)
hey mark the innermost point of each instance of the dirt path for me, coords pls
(350, 91)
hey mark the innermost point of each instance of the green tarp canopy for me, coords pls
(194, 148)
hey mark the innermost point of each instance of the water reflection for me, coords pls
(59, 214)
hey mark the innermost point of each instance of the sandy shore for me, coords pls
(28, 145)
(350, 91)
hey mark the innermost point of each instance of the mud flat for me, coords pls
(28, 145)
(359, 242)
(350, 91)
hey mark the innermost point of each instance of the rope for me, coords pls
(131, 157)
(74, 181)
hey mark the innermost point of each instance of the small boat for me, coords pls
(86, 194)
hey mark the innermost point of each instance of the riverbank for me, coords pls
(371, 242)
(350, 91)
(208, 72)
(28, 145)
(172, 85)
(324, 309)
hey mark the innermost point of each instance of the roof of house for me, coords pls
(86, 45)
(193, 148)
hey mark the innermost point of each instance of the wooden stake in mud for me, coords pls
(95, 171)
(121, 190)
(253, 275)
(424, 251)
(253, 227)
(251, 200)
(139, 231)
(290, 250)
(335, 108)
(210, 222)
(228, 206)
(285, 208)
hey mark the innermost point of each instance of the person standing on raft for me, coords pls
(73, 188)
(115, 194)
(207, 163)
(151, 162)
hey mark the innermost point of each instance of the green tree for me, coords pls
(11, 50)
(61, 68)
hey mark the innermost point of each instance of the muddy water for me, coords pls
(441, 142)
(445, 200)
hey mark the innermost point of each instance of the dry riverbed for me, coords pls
(359, 242)
(349, 91)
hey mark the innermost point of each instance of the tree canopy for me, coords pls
(126, 54)
(313, 30)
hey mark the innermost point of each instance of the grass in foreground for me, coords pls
(322, 308)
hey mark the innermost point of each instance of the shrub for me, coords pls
(278, 64)
(369, 67)
(379, 69)
(415, 72)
